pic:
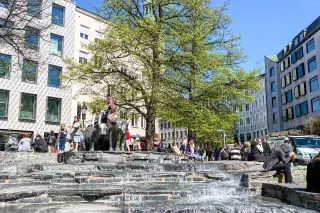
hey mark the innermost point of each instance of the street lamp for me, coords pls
(84, 112)
(224, 136)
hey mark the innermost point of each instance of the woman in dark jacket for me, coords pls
(40, 145)
(257, 151)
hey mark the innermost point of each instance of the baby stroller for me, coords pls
(12, 144)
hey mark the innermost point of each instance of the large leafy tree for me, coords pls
(203, 78)
(161, 60)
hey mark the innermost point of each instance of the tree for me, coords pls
(203, 78)
(155, 68)
(22, 20)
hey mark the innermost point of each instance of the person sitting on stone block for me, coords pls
(278, 161)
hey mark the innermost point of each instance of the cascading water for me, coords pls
(122, 184)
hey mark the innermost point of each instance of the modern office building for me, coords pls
(253, 121)
(292, 81)
(170, 135)
(32, 96)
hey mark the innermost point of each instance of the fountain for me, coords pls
(131, 182)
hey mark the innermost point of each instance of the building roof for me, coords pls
(91, 14)
(273, 58)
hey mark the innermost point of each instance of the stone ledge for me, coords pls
(292, 194)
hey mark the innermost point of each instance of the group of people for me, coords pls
(52, 143)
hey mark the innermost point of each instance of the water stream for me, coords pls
(140, 186)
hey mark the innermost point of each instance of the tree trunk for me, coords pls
(150, 129)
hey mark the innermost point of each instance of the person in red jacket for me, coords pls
(128, 139)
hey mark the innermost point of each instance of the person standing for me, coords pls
(128, 139)
(51, 140)
(24, 144)
(63, 133)
(257, 151)
(75, 133)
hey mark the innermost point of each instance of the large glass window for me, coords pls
(57, 14)
(34, 8)
(272, 72)
(283, 82)
(310, 46)
(293, 57)
(300, 90)
(4, 101)
(284, 115)
(312, 64)
(53, 110)
(282, 66)
(32, 37)
(315, 104)
(5, 64)
(304, 108)
(298, 110)
(275, 118)
(274, 102)
(289, 96)
(300, 53)
(314, 84)
(273, 86)
(287, 63)
(54, 76)
(290, 113)
(28, 106)
(56, 45)
(294, 74)
(300, 70)
(29, 71)
(83, 57)
(288, 79)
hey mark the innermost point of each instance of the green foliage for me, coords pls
(171, 59)
(96, 105)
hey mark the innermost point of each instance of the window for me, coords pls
(5, 64)
(287, 63)
(4, 101)
(296, 41)
(247, 107)
(293, 57)
(29, 71)
(298, 72)
(288, 79)
(57, 14)
(287, 97)
(310, 46)
(282, 66)
(84, 32)
(83, 57)
(56, 43)
(300, 53)
(312, 64)
(181, 134)
(301, 109)
(54, 76)
(134, 121)
(53, 109)
(315, 103)
(32, 37)
(34, 8)
(99, 35)
(28, 106)
(298, 110)
(248, 120)
(284, 115)
(301, 36)
(273, 86)
(314, 84)
(241, 122)
(300, 90)
(287, 114)
(272, 72)
(4, 3)
(169, 125)
(274, 102)
(283, 82)
(304, 108)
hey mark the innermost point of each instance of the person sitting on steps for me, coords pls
(279, 160)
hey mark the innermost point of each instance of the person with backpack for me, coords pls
(51, 140)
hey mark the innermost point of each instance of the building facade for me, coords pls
(32, 96)
(170, 135)
(253, 122)
(292, 81)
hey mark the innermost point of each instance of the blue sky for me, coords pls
(266, 26)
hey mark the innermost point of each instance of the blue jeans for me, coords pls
(62, 144)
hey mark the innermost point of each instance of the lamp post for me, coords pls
(84, 112)
(224, 136)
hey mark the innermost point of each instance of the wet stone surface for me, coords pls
(127, 182)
